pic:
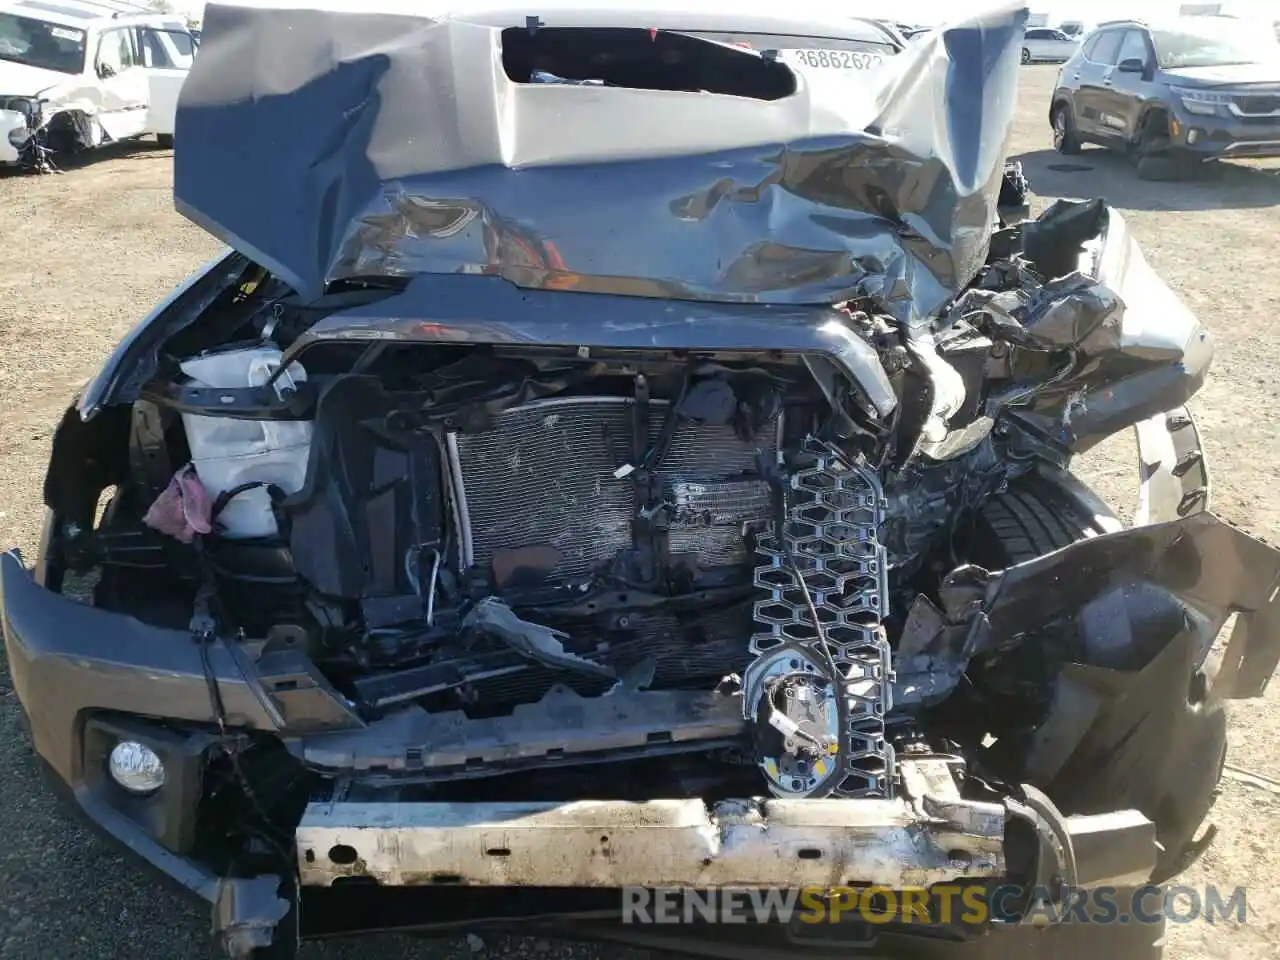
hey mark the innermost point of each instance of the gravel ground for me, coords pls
(98, 245)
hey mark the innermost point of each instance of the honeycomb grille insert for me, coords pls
(833, 517)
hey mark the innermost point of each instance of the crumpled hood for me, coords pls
(330, 144)
(20, 80)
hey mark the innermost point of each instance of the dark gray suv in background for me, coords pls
(1171, 95)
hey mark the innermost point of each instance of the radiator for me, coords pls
(545, 475)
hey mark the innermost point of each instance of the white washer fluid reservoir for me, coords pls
(228, 452)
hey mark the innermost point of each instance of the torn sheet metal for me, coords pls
(26, 125)
(537, 642)
(1110, 604)
(1127, 349)
(1124, 596)
(332, 144)
(247, 912)
(676, 842)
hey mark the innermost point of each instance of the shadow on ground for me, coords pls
(125, 150)
(1098, 172)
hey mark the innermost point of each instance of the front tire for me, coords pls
(1153, 155)
(1026, 55)
(1031, 518)
(1065, 138)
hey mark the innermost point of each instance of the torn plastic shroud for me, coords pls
(329, 145)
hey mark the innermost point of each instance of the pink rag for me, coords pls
(184, 509)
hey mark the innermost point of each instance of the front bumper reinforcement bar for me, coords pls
(741, 843)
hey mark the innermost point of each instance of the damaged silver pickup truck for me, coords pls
(625, 447)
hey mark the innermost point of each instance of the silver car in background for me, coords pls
(1047, 45)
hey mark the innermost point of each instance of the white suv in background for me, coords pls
(75, 74)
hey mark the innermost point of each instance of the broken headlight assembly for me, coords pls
(20, 137)
(29, 107)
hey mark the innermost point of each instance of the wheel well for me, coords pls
(67, 131)
(87, 458)
(1156, 113)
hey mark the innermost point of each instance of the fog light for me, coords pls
(136, 767)
(18, 137)
(1193, 135)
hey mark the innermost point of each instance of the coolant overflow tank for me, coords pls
(228, 452)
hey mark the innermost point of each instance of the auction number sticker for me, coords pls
(848, 60)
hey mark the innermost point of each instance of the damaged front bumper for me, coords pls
(743, 843)
(86, 676)
(674, 842)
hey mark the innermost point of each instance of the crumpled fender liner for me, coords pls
(1136, 722)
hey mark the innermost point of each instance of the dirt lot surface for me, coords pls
(92, 249)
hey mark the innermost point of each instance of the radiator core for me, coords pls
(546, 475)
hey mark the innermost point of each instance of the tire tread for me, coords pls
(1028, 521)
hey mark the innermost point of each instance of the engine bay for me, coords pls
(519, 554)
(515, 524)
(480, 531)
